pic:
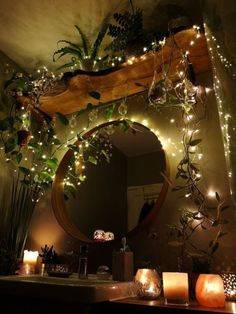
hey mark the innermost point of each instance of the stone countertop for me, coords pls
(71, 289)
(154, 306)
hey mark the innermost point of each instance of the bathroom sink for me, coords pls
(72, 280)
(70, 289)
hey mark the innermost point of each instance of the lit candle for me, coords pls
(210, 290)
(148, 283)
(229, 280)
(175, 287)
(109, 236)
(99, 235)
(29, 261)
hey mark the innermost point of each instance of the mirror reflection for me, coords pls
(118, 195)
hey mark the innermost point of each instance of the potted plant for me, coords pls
(49, 258)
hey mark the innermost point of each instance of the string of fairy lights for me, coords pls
(46, 81)
(216, 54)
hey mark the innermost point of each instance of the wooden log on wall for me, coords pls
(122, 82)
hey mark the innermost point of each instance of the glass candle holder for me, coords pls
(229, 281)
(148, 284)
(109, 236)
(99, 235)
(209, 290)
(175, 287)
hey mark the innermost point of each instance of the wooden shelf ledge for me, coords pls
(122, 82)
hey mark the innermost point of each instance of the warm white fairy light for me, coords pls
(211, 193)
(224, 117)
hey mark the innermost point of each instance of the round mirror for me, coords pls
(122, 192)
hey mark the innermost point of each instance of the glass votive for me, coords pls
(175, 287)
(99, 235)
(229, 281)
(209, 290)
(148, 284)
(109, 236)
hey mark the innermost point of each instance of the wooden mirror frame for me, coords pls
(59, 205)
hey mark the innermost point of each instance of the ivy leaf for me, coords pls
(104, 153)
(93, 160)
(56, 141)
(26, 182)
(75, 148)
(95, 95)
(222, 234)
(62, 118)
(217, 197)
(25, 171)
(10, 145)
(177, 188)
(195, 142)
(194, 167)
(46, 175)
(184, 161)
(82, 178)
(33, 146)
(184, 176)
(52, 163)
(177, 175)
(109, 111)
(18, 157)
(72, 189)
(90, 106)
(214, 247)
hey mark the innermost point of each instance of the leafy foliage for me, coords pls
(128, 33)
(84, 55)
(48, 254)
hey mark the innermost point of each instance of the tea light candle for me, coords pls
(29, 261)
(175, 287)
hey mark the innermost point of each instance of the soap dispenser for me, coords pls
(83, 262)
(122, 263)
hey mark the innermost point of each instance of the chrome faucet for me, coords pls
(83, 262)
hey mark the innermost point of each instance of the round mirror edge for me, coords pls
(58, 201)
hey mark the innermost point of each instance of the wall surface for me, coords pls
(150, 245)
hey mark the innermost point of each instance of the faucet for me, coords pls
(83, 262)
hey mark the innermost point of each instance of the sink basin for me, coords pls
(72, 280)
(71, 289)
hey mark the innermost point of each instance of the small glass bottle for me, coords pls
(83, 262)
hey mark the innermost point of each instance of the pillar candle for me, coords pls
(175, 287)
(29, 261)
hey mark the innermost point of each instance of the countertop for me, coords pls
(72, 289)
